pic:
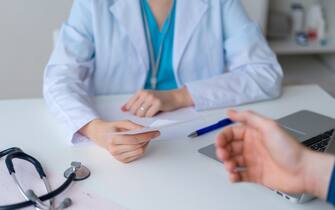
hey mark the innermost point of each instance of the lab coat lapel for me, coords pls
(188, 15)
(128, 15)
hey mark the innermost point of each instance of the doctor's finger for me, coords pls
(128, 140)
(235, 177)
(132, 101)
(131, 159)
(153, 110)
(120, 149)
(147, 103)
(135, 139)
(127, 125)
(136, 105)
(128, 155)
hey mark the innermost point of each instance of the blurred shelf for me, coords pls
(289, 47)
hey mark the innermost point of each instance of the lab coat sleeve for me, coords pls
(68, 73)
(253, 72)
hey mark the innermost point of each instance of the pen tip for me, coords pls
(193, 135)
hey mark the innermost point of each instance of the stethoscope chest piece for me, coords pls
(81, 171)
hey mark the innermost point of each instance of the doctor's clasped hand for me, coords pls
(148, 103)
(125, 148)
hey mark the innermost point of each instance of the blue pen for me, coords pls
(218, 125)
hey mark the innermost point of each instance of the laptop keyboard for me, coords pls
(320, 142)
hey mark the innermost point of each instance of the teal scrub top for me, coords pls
(165, 76)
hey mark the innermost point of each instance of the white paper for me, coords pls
(157, 125)
(111, 110)
(161, 123)
(29, 179)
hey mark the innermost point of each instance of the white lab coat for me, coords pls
(219, 54)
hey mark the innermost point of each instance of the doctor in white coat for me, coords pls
(172, 53)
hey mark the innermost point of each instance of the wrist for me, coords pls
(182, 98)
(317, 173)
(89, 130)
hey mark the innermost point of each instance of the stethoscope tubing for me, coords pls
(8, 151)
(17, 153)
(45, 197)
(155, 64)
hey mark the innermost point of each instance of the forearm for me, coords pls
(251, 84)
(68, 99)
(318, 172)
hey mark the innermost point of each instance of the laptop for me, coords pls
(313, 130)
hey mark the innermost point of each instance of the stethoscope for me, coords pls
(155, 64)
(76, 172)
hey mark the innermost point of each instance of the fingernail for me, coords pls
(123, 108)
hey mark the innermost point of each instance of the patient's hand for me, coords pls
(272, 157)
(147, 103)
(125, 148)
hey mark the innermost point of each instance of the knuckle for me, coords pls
(151, 97)
(144, 93)
(158, 102)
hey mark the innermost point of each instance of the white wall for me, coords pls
(330, 59)
(258, 11)
(26, 30)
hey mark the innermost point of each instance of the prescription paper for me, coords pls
(157, 125)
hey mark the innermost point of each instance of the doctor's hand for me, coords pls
(148, 103)
(271, 157)
(124, 148)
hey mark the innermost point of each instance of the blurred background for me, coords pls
(301, 32)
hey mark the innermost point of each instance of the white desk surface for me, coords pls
(172, 175)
